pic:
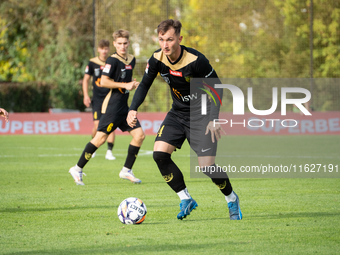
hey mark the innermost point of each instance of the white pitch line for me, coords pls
(141, 153)
(264, 156)
(148, 152)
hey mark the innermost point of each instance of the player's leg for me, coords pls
(77, 170)
(138, 137)
(171, 135)
(173, 176)
(220, 178)
(110, 143)
(94, 129)
(96, 114)
(171, 173)
(206, 151)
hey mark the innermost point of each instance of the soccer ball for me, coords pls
(131, 211)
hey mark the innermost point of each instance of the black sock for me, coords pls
(109, 146)
(222, 181)
(87, 154)
(169, 170)
(131, 156)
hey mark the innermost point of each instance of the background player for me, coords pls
(177, 64)
(117, 76)
(94, 68)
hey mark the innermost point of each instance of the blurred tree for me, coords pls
(249, 38)
(49, 41)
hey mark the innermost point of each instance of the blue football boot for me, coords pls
(234, 209)
(186, 206)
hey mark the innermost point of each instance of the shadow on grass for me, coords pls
(138, 249)
(294, 215)
(25, 210)
(76, 207)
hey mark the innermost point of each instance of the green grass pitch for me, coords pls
(42, 211)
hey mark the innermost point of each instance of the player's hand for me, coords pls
(131, 118)
(4, 113)
(87, 101)
(132, 85)
(215, 131)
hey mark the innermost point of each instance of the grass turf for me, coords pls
(42, 211)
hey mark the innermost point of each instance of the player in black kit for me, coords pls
(94, 69)
(177, 64)
(117, 76)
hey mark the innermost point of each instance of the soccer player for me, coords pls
(94, 68)
(177, 64)
(4, 114)
(117, 76)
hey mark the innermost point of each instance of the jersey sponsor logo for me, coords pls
(107, 68)
(101, 68)
(177, 93)
(87, 69)
(186, 98)
(168, 177)
(128, 67)
(98, 82)
(189, 97)
(175, 73)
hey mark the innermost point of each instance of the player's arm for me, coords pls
(150, 74)
(107, 82)
(86, 99)
(205, 68)
(215, 129)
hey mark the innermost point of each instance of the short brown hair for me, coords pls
(103, 43)
(165, 25)
(121, 33)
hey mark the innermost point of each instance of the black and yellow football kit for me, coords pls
(184, 120)
(94, 68)
(115, 107)
(186, 106)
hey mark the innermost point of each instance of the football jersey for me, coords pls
(94, 68)
(190, 64)
(120, 70)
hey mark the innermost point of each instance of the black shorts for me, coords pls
(97, 107)
(110, 122)
(174, 130)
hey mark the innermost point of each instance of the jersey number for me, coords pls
(160, 131)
